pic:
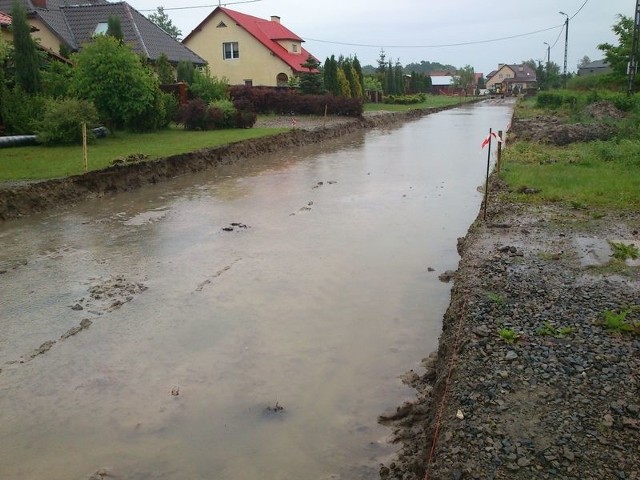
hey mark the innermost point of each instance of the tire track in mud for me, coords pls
(210, 279)
(105, 295)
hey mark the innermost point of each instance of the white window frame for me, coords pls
(230, 51)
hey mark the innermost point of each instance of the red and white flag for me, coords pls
(485, 142)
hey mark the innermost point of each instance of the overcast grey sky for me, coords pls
(415, 30)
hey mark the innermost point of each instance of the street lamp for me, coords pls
(548, 54)
(566, 45)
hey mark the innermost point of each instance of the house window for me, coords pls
(101, 28)
(294, 48)
(230, 50)
(221, 25)
(282, 80)
(248, 83)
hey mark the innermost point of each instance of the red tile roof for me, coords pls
(267, 32)
(5, 20)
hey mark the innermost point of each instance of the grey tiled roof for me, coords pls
(74, 23)
(144, 36)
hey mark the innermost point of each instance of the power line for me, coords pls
(585, 2)
(437, 46)
(199, 6)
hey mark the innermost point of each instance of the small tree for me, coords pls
(617, 56)
(26, 58)
(465, 78)
(114, 28)
(162, 20)
(112, 76)
(311, 81)
(185, 71)
(164, 69)
(343, 84)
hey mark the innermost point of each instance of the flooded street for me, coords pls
(306, 280)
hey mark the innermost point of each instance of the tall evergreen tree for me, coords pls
(114, 28)
(358, 69)
(331, 75)
(164, 69)
(399, 78)
(26, 58)
(390, 80)
(185, 71)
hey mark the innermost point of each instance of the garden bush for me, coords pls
(406, 99)
(62, 119)
(20, 111)
(285, 101)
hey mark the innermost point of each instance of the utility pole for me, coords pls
(566, 46)
(632, 68)
(549, 53)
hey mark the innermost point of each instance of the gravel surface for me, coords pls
(562, 401)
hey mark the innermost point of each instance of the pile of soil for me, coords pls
(556, 396)
(551, 130)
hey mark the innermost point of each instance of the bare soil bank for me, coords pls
(21, 199)
(560, 402)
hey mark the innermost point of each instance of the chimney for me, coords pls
(275, 18)
(39, 3)
(500, 65)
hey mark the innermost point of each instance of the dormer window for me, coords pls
(101, 28)
(294, 48)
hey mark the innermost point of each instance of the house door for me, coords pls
(282, 80)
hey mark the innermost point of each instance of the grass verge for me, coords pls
(594, 174)
(433, 101)
(38, 162)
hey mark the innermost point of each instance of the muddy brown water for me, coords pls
(315, 298)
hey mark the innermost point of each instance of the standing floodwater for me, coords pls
(247, 322)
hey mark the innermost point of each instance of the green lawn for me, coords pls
(432, 101)
(38, 162)
(598, 174)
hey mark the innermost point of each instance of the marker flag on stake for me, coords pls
(485, 142)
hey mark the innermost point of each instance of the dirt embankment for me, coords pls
(21, 199)
(528, 383)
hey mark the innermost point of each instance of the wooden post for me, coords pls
(486, 184)
(499, 159)
(324, 123)
(84, 147)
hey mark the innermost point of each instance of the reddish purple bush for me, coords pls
(285, 101)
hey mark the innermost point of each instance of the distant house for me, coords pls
(511, 78)
(62, 24)
(443, 85)
(248, 50)
(594, 68)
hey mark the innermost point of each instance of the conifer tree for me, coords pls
(114, 28)
(26, 59)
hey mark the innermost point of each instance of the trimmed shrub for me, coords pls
(284, 102)
(406, 99)
(62, 120)
(227, 117)
(245, 119)
(156, 115)
(193, 115)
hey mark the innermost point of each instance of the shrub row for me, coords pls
(284, 101)
(405, 99)
(198, 115)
